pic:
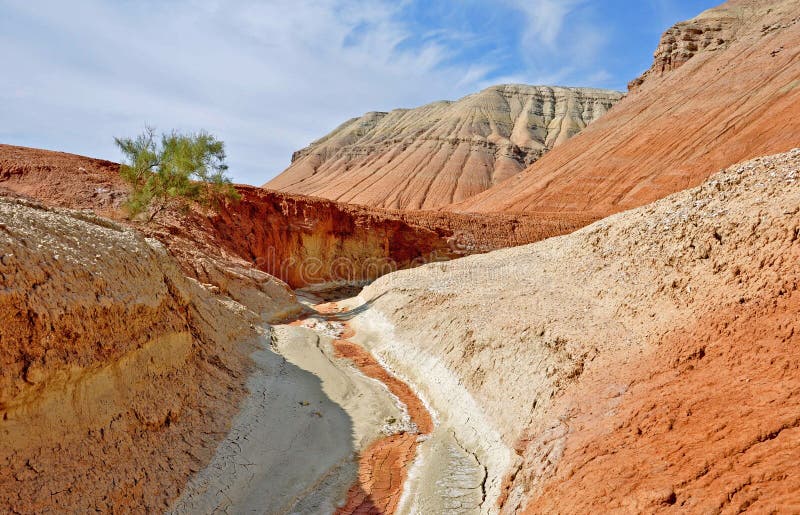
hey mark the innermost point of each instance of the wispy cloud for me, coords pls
(560, 37)
(545, 19)
(266, 77)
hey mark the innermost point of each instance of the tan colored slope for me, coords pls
(724, 87)
(442, 152)
(118, 375)
(650, 361)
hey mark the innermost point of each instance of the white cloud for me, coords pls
(266, 77)
(559, 40)
(545, 19)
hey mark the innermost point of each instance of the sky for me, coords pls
(268, 77)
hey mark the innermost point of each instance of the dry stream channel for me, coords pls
(328, 427)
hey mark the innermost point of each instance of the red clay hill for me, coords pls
(724, 87)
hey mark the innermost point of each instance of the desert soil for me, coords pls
(649, 361)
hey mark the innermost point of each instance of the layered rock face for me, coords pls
(306, 240)
(443, 152)
(649, 361)
(242, 247)
(712, 30)
(118, 375)
(724, 88)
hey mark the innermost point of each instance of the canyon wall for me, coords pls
(649, 361)
(243, 246)
(723, 89)
(59, 179)
(124, 344)
(444, 152)
(307, 240)
(118, 375)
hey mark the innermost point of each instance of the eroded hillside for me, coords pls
(444, 152)
(723, 89)
(649, 361)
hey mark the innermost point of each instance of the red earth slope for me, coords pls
(709, 423)
(725, 87)
(118, 375)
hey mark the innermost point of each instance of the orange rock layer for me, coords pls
(383, 465)
(710, 422)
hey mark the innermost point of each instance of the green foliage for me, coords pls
(186, 168)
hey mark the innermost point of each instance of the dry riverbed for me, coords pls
(328, 429)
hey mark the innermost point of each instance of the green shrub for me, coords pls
(186, 168)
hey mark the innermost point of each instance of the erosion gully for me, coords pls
(328, 429)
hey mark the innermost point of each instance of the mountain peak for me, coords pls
(442, 152)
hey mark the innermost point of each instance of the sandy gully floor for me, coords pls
(325, 429)
(383, 465)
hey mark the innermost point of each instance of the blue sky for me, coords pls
(268, 77)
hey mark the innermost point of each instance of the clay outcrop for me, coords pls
(242, 247)
(645, 355)
(118, 374)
